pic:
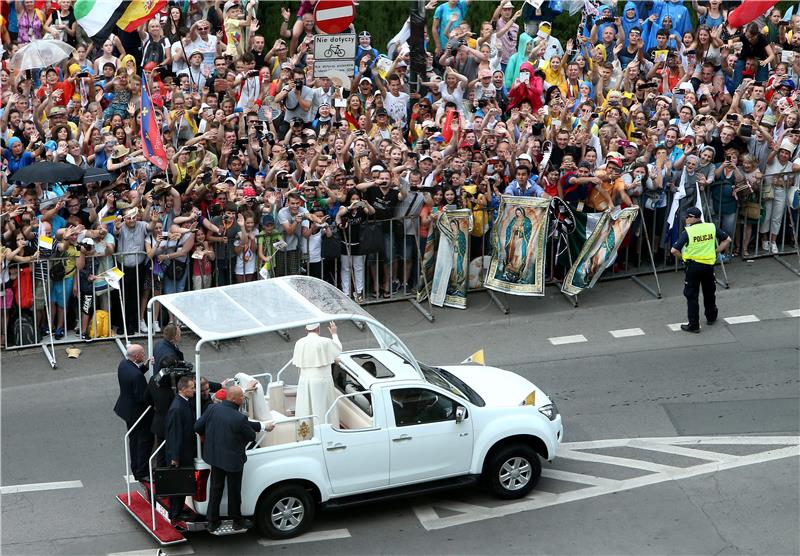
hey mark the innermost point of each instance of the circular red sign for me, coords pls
(334, 16)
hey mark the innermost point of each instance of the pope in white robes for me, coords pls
(313, 355)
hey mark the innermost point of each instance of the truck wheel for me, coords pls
(513, 471)
(285, 512)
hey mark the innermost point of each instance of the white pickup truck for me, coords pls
(403, 427)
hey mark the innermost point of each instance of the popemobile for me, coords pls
(403, 427)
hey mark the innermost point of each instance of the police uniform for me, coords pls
(698, 243)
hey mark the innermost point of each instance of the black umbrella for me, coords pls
(48, 172)
(97, 175)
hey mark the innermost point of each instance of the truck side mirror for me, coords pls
(461, 413)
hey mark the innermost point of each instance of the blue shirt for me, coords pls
(533, 189)
(14, 164)
(443, 13)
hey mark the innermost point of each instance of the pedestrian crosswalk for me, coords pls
(700, 455)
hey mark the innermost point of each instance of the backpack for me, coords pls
(99, 326)
(57, 270)
(22, 332)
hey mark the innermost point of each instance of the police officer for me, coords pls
(697, 245)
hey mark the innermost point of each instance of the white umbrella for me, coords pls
(40, 54)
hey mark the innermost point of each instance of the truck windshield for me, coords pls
(451, 383)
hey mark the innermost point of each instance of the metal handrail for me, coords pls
(152, 486)
(278, 376)
(127, 453)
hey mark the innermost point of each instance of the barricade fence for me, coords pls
(56, 300)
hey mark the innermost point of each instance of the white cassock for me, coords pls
(313, 355)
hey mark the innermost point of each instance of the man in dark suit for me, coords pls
(227, 433)
(167, 346)
(179, 428)
(131, 404)
(160, 394)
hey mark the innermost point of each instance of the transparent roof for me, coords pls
(261, 306)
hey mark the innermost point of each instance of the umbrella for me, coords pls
(48, 172)
(40, 54)
(97, 175)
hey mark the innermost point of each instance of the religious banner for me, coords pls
(445, 260)
(604, 232)
(518, 246)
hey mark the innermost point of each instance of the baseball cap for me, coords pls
(787, 83)
(526, 157)
(428, 123)
(367, 79)
(615, 161)
(507, 4)
(694, 212)
(376, 168)
(267, 219)
(381, 112)
(425, 157)
(287, 66)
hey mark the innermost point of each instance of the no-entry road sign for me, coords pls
(334, 16)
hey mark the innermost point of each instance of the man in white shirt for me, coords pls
(201, 39)
(395, 102)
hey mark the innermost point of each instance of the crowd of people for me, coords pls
(274, 170)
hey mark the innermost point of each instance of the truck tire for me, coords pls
(513, 471)
(285, 512)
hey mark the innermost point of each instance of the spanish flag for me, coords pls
(477, 357)
(138, 12)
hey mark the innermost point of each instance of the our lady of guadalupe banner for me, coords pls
(446, 260)
(604, 233)
(518, 240)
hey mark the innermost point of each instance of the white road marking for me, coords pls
(618, 461)
(789, 447)
(579, 478)
(310, 537)
(181, 550)
(33, 487)
(676, 326)
(561, 340)
(792, 313)
(677, 450)
(741, 319)
(626, 332)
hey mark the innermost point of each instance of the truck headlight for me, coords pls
(550, 411)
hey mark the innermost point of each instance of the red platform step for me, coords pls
(141, 510)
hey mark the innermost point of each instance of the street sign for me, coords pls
(334, 16)
(334, 55)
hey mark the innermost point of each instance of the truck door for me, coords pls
(356, 450)
(426, 442)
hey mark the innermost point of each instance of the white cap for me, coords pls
(787, 145)
(525, 156)
(312, 327)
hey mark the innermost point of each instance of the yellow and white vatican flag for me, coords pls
(477, 357)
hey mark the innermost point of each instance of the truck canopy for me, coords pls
(273, 305)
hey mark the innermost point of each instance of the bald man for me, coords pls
(227, 433)
(130, 405)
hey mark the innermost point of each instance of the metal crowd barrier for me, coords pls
(40, 304)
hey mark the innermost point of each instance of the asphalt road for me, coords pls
(721, 474)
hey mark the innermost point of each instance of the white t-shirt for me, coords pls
(397, 106)
(208, 48)
(312, 246)
(178, 65)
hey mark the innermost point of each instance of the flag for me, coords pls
(749, 10)
(97, 17)
(151, 135)
(600, 235)
(138, 12)
(477, 357)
